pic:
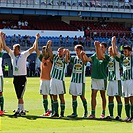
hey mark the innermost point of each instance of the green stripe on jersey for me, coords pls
(78, 72)
(113, 69)
(58, 68)
(127, 67)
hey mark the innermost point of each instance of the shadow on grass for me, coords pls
(33, 117)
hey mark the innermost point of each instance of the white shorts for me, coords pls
(45, 87)
(1, 83)
(77, 89)
(98, 84)
(57, 87)
(114, 88)
(127, 88)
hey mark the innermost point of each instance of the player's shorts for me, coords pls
(98, 84)
(44, 87)
(77, 89)
(19, 84)
(114, 88)
(127, 88)
(1, 83)
(57, 87)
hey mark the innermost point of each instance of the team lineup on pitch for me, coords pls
(52, 76)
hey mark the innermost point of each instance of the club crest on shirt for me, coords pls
(126, 62)
(59, 64)
(111, 66)
(77, 68)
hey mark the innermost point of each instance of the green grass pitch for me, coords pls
(32, 122)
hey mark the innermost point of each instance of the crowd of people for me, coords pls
(52, 78)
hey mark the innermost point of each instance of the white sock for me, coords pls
(20, 107)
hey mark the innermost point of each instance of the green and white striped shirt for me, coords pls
(78, 72)
(127, 66)
(58, 68)
(113, 69)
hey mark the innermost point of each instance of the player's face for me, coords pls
(126, 52)
(102, 47)
(16, 51)
(77, 51)
(110, 51)
(60, 52)
(45, 54)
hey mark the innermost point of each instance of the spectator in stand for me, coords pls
(87, 31)
(67, 40)
(28, 40)
(61, 40)
(13, 39)
(81, 41)
(88, 41)
(32, 68)
(19, 24)
(22, 23)
(26, 23)
(75, 42)
(19, 39)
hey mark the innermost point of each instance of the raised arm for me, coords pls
(36, 45)
(114, 48)
(35, 42)
(67, 55)
(49, 49)
(5, 47)
(84, 57)
(99, 52)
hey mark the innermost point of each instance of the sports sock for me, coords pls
(111, 107)
(2, 103)
(20, 107)
(52, 106)
(127, 109)
(85, 105)
(131, 110)
(93, 112)
(103, 112)
(62, 106)
(119, 109)
(55, 103)
(74, 104)
(45, 104)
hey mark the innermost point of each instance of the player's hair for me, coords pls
(60, 48)
(16, 45)
(104, 44)
(79, 46)
(127, 47)
(43, 47)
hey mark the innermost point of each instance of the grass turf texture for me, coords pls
(33, 122)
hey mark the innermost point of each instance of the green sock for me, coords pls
(131, 110)
(93, 112)
(127, 109)
(52, 106)
(74, 106)
(2, 102)
(103, 112)
(85, 105)
(119, 109)
(62, 106)
(55, 103)
(45, 104)
(111, 107)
